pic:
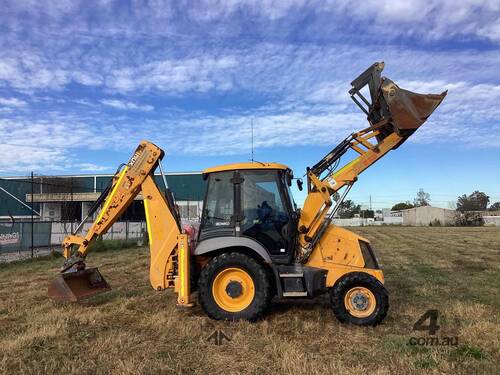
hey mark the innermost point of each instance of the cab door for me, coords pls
(265, 211)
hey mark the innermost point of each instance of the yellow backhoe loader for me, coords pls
(253, 242)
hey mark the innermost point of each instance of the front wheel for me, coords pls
(234, 286)
(359, 298)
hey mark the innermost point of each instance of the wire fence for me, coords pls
(48, 235)
(38, 212)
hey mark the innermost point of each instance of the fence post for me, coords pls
(21, 235)
(32, 217)
(49, 245)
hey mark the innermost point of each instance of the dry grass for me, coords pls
(134, 329)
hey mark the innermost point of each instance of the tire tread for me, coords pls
(338, 291)
(263, 287)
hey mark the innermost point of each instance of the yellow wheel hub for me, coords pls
(360, 302)
(233, 289)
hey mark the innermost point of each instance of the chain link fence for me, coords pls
(17, 241)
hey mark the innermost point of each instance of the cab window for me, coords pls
(265, 217)
(219, 204)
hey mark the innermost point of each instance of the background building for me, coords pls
(69, 198)
(427, 215)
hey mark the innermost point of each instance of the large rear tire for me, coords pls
(234, 286)
(359, 298)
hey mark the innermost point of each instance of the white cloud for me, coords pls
(432, 19)
(201, 73)
(91, 167)
(30, 71)
(12, 102)
(22, 159)
(51, 144)
(468, 117)
(289, 75)
(182, 20)
(121, 104)
(87, 78)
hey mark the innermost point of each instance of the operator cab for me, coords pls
(251, 200)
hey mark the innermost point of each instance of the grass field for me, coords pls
(134, 329)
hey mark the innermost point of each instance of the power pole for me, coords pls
(32, 217)
(370, 202)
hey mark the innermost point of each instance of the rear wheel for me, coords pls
(359, 298)
(234, 286)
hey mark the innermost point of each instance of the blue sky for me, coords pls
(82, 82)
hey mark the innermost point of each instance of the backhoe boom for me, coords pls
(163, 226)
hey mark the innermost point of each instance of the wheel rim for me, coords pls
(233, 289)
(360, 302)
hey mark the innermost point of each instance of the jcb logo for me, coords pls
(134, 158)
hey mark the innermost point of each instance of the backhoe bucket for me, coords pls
(75, 286)
(408, 109)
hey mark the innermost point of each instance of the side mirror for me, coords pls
(300, 183)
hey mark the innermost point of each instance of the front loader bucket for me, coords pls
(392, 108)
(408, 109)
(75, 286)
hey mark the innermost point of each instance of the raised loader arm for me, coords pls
(168, 245)
(393, 115)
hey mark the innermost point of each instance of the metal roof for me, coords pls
(245, 165)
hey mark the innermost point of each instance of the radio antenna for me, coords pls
(252, 137)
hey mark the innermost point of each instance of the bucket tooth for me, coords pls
(75, 286)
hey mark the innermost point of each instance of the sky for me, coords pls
(82, 82)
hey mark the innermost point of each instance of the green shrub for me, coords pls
(466, 350)
(435, 223)
(103, 245)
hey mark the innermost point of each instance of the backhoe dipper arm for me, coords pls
(393, 115)
(169, 246)
(126, 185)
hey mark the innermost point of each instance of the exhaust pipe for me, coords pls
(77, 285)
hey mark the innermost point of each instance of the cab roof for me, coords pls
(245, 165)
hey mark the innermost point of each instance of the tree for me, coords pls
(402, 206)
(495, 207)
(367, 214)
(469, 218)
(422, 199)
(348, 209)
(477, 201)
